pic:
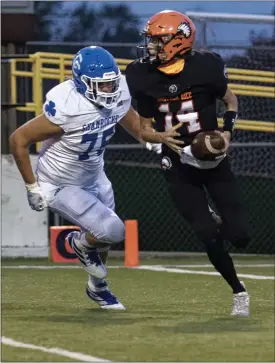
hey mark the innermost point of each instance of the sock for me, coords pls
(223, 263)
(97, 284)
(80, 240)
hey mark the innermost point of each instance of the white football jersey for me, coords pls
(76, 157)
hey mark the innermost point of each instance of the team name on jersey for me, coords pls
(183, 96)
(98, 124)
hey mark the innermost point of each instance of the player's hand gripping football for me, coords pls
(35, 197)
(168, 138)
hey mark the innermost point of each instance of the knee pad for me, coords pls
(114, 229)
(239, 236)
(205, 231)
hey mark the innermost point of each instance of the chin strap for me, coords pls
(172, 67)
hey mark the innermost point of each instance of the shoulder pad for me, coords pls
(212, 55)
(136, 73)
(139, 65)
(210, 60)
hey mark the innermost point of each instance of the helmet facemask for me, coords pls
(164, 48)
(103, 91)
(156, 45)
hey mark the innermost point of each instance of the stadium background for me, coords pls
(36, 66)
(177, 306)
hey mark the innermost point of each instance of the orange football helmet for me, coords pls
(169, 33)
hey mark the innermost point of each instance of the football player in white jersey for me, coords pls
(78, 120)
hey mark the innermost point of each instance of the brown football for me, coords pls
(208, 145)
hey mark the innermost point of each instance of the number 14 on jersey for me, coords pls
(186, 114)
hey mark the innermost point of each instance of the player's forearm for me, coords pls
(150, 135)
(131, 123)
(230, 116)
(133, 130)
(231, 102)
(22, 159)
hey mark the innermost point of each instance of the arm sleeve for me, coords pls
(220, 80)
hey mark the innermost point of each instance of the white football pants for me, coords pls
(91, 208)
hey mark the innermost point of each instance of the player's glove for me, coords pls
(35, 198)
(157, 148)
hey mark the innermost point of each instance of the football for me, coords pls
(208, 145)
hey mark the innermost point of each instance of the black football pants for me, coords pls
(186, 186)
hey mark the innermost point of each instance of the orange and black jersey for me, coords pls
(190, 96)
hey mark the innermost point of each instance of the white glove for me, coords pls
(157, 148)
(35, 198)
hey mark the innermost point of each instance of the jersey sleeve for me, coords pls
(54, 111)
(220, 79)
(144, 104)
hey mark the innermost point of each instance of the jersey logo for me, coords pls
(185, 28)
(77, 64)
(166, 163)
(173, 88)
(50, 108)
(225, 72)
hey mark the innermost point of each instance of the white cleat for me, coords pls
(104, 298)
(117, 306)
(241, 303)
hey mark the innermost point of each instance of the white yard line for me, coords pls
(195, 272)
(65, 353)
(158, 268)
(41, 267)
(236, 265)
(74, 266)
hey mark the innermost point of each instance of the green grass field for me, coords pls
(170, 316)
